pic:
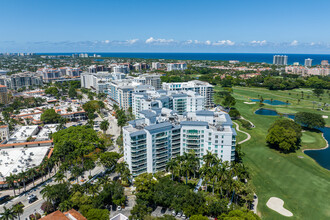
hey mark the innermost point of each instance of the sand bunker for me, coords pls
(324, 116)
(249, 103)
(276, 204)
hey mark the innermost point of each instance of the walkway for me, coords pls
(248, 135)
(252, 125)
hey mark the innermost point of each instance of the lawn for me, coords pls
(296, 178)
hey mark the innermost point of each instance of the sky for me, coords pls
(222, 26)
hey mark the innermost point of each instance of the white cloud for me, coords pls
(224, 42)
(258, 42)
(208, 42)
(132, 41)
(159, 40)
(294, 43)
(188, 42)
(106, 41)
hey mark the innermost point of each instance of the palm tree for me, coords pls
(89, 164)
(11, 181)
(171, 166)
(22, 176)
(210, 160)
(123, 170)
(59, 177)
(104, 126)
(32, 173)
(7, 214)
(18, 209)
(47, 193)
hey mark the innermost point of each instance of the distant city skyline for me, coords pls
(165, 26)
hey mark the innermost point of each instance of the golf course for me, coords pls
(297, 179)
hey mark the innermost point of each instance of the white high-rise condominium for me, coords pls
(203, 88)
(280, 60)
(308, 62)
(150, 142)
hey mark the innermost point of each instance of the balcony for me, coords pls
(135, 144)
(161, 140)
(161, 151)
(193, 142)
(135, 164)
(158, 146)
(137, 149)
(162, 160)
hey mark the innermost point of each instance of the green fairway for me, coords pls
(303, 185)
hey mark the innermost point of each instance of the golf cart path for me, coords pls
(248, 135)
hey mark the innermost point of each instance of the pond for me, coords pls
(322, 157)
(270, 112)
(269, 102)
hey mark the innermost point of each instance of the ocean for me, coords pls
(242, 57)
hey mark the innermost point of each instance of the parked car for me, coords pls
(173, 213)
(179, 214)
(32, 198)
(3, 199)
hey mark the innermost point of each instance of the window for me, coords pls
(216, 141)
(209, 143)
(216, 151)
(210, 134)
(216, 136)
(216, 146)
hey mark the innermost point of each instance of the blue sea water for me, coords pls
(242, 57)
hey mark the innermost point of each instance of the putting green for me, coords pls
(307, 138)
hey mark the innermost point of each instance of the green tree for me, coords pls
(309, 120)
(123, 170)
(49, 116)
(318, 92)
(284, 135)
(229, 101)
(52, 91)
(239, 215)
(234, 113)
(109, 159)
(140, 211)
(11, 181)
(171, 166)
(104, 126)
(72, 92)
(97, 214)
(198, 217)
(18, 210)
(7, 214)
